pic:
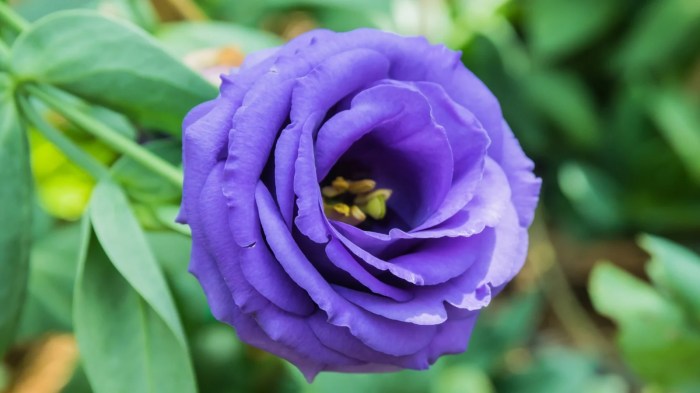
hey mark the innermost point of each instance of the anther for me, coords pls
(362, 186)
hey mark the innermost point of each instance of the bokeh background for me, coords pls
(604, 95)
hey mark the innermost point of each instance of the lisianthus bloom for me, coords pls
(355, 200)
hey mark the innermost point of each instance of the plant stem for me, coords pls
(188, 9)
(559, 293)
(70, 149)
(12, 18)
(113, 138)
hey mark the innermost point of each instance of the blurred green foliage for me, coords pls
(603, 94)
(659, 325)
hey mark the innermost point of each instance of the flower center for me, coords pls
(353, 201)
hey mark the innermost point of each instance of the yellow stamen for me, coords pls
(380, 192)
(340, 184)
(357, 214)
(367, 201)
(342, 209)
(341, 212)
(330, 192)
(362, 186)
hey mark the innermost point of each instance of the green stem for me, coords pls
(558, 290)
(70, 149)
(113, 138)
(4, 56)
(12, 18)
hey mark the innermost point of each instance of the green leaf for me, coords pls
(182, 38)
(36, 9)
(501, 328)
(172, 250)
(654, 335)
(592, 192)
(680, 269)
(624, 298)
(406, 381)
(560, 370)
(167, 214)
(4, 57)
(68, 49)
(126, 246)
(678, 118)
(462, 378)
(125, 344)
(568, 104)
(16, 211)
(140, 183)
(559, 27)
(54, 260)
(658, 33)
(139, 12)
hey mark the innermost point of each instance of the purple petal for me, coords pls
(225, 310)
(492, 198)
(313, 95)
(340, 257)
(427, 307)
(340, 339)
(383, 335)
(524, 184)
(255, 127)
(453, 337)
(204, 138)
(469, 142)
(510, 250)
(254, 267)
(390, 131)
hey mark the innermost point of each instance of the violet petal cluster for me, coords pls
(387, 294)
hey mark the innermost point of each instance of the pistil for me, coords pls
(352, 201)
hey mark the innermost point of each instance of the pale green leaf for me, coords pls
(53, 265)
(678, 118)
(111, 63)
(679, 267)
(15, 211)
(125, 244)
(125, 344)
(568, 104)
(661, 30)
(654, 336)
(560, 27)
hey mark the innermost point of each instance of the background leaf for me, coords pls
(659, 33)
(125, 344)
(15, 210)
(679, 268)
(559, 27)
(592, 193)
(568, 104)
(506, 326)
(678, 118)
(654, 335)
(558, 370)
(68, 49)
(54, 262)
(184, 37)
(139, 182)
(123, 241)
(403, 381)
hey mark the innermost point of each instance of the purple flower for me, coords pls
(355, 199)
